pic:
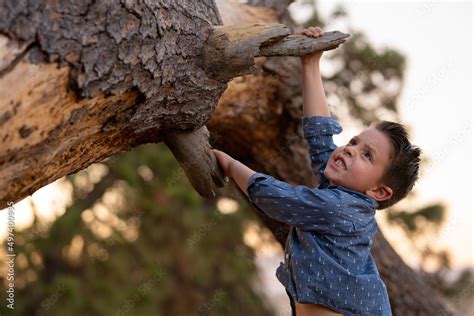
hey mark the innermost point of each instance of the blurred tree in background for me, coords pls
(423, 226)
(137, 240)
(365, 80)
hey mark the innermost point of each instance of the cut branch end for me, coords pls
(230, 50)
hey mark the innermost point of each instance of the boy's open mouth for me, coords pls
(338, 161)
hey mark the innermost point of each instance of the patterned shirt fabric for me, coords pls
(327, 253)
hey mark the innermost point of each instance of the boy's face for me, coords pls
(361, 163)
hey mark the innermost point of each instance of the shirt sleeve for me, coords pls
(318, 132)
(309, 209)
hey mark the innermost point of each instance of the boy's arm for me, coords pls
(234, 169)
(314, 99)
(241, 174)
(308, 209)
(318, 126)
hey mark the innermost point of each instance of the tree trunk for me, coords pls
(82, 81)
(88, 79)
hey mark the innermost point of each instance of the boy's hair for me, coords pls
(402, 172)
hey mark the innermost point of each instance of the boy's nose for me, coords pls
(350, 151)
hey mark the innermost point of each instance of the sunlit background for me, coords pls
(436, 101)
(436, 105)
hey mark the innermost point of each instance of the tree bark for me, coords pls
(89, 79)
(84, 81)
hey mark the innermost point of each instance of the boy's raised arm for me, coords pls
(314, 99)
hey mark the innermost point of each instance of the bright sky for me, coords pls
(436, 101)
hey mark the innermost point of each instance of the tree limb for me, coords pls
(230, 50)
(193, 152)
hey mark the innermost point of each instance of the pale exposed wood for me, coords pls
(46, 132)
(10, 50)
(234, 12)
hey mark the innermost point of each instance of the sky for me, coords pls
(436, 101)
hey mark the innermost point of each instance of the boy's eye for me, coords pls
(352, 142)
(368, 155)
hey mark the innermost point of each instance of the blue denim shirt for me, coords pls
(327, 253)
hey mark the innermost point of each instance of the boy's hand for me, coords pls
(224, 160)
(312, 31)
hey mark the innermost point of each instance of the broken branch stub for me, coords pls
(299, 45)
(193, 152)
(230, 50)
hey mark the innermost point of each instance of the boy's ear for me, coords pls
(381, 193)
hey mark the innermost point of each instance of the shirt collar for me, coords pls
(372, 203)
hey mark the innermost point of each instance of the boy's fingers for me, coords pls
(218, 153)
(313, 31)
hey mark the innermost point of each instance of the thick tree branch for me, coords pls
(298, 45)
(81, 81)
(230, 50)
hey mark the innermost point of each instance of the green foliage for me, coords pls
(462, 287)
(173, 253)
(415, 222)
(365, 80)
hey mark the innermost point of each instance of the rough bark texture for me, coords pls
(114, 46)
(84, 80)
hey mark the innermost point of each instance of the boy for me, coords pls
(328, 268)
